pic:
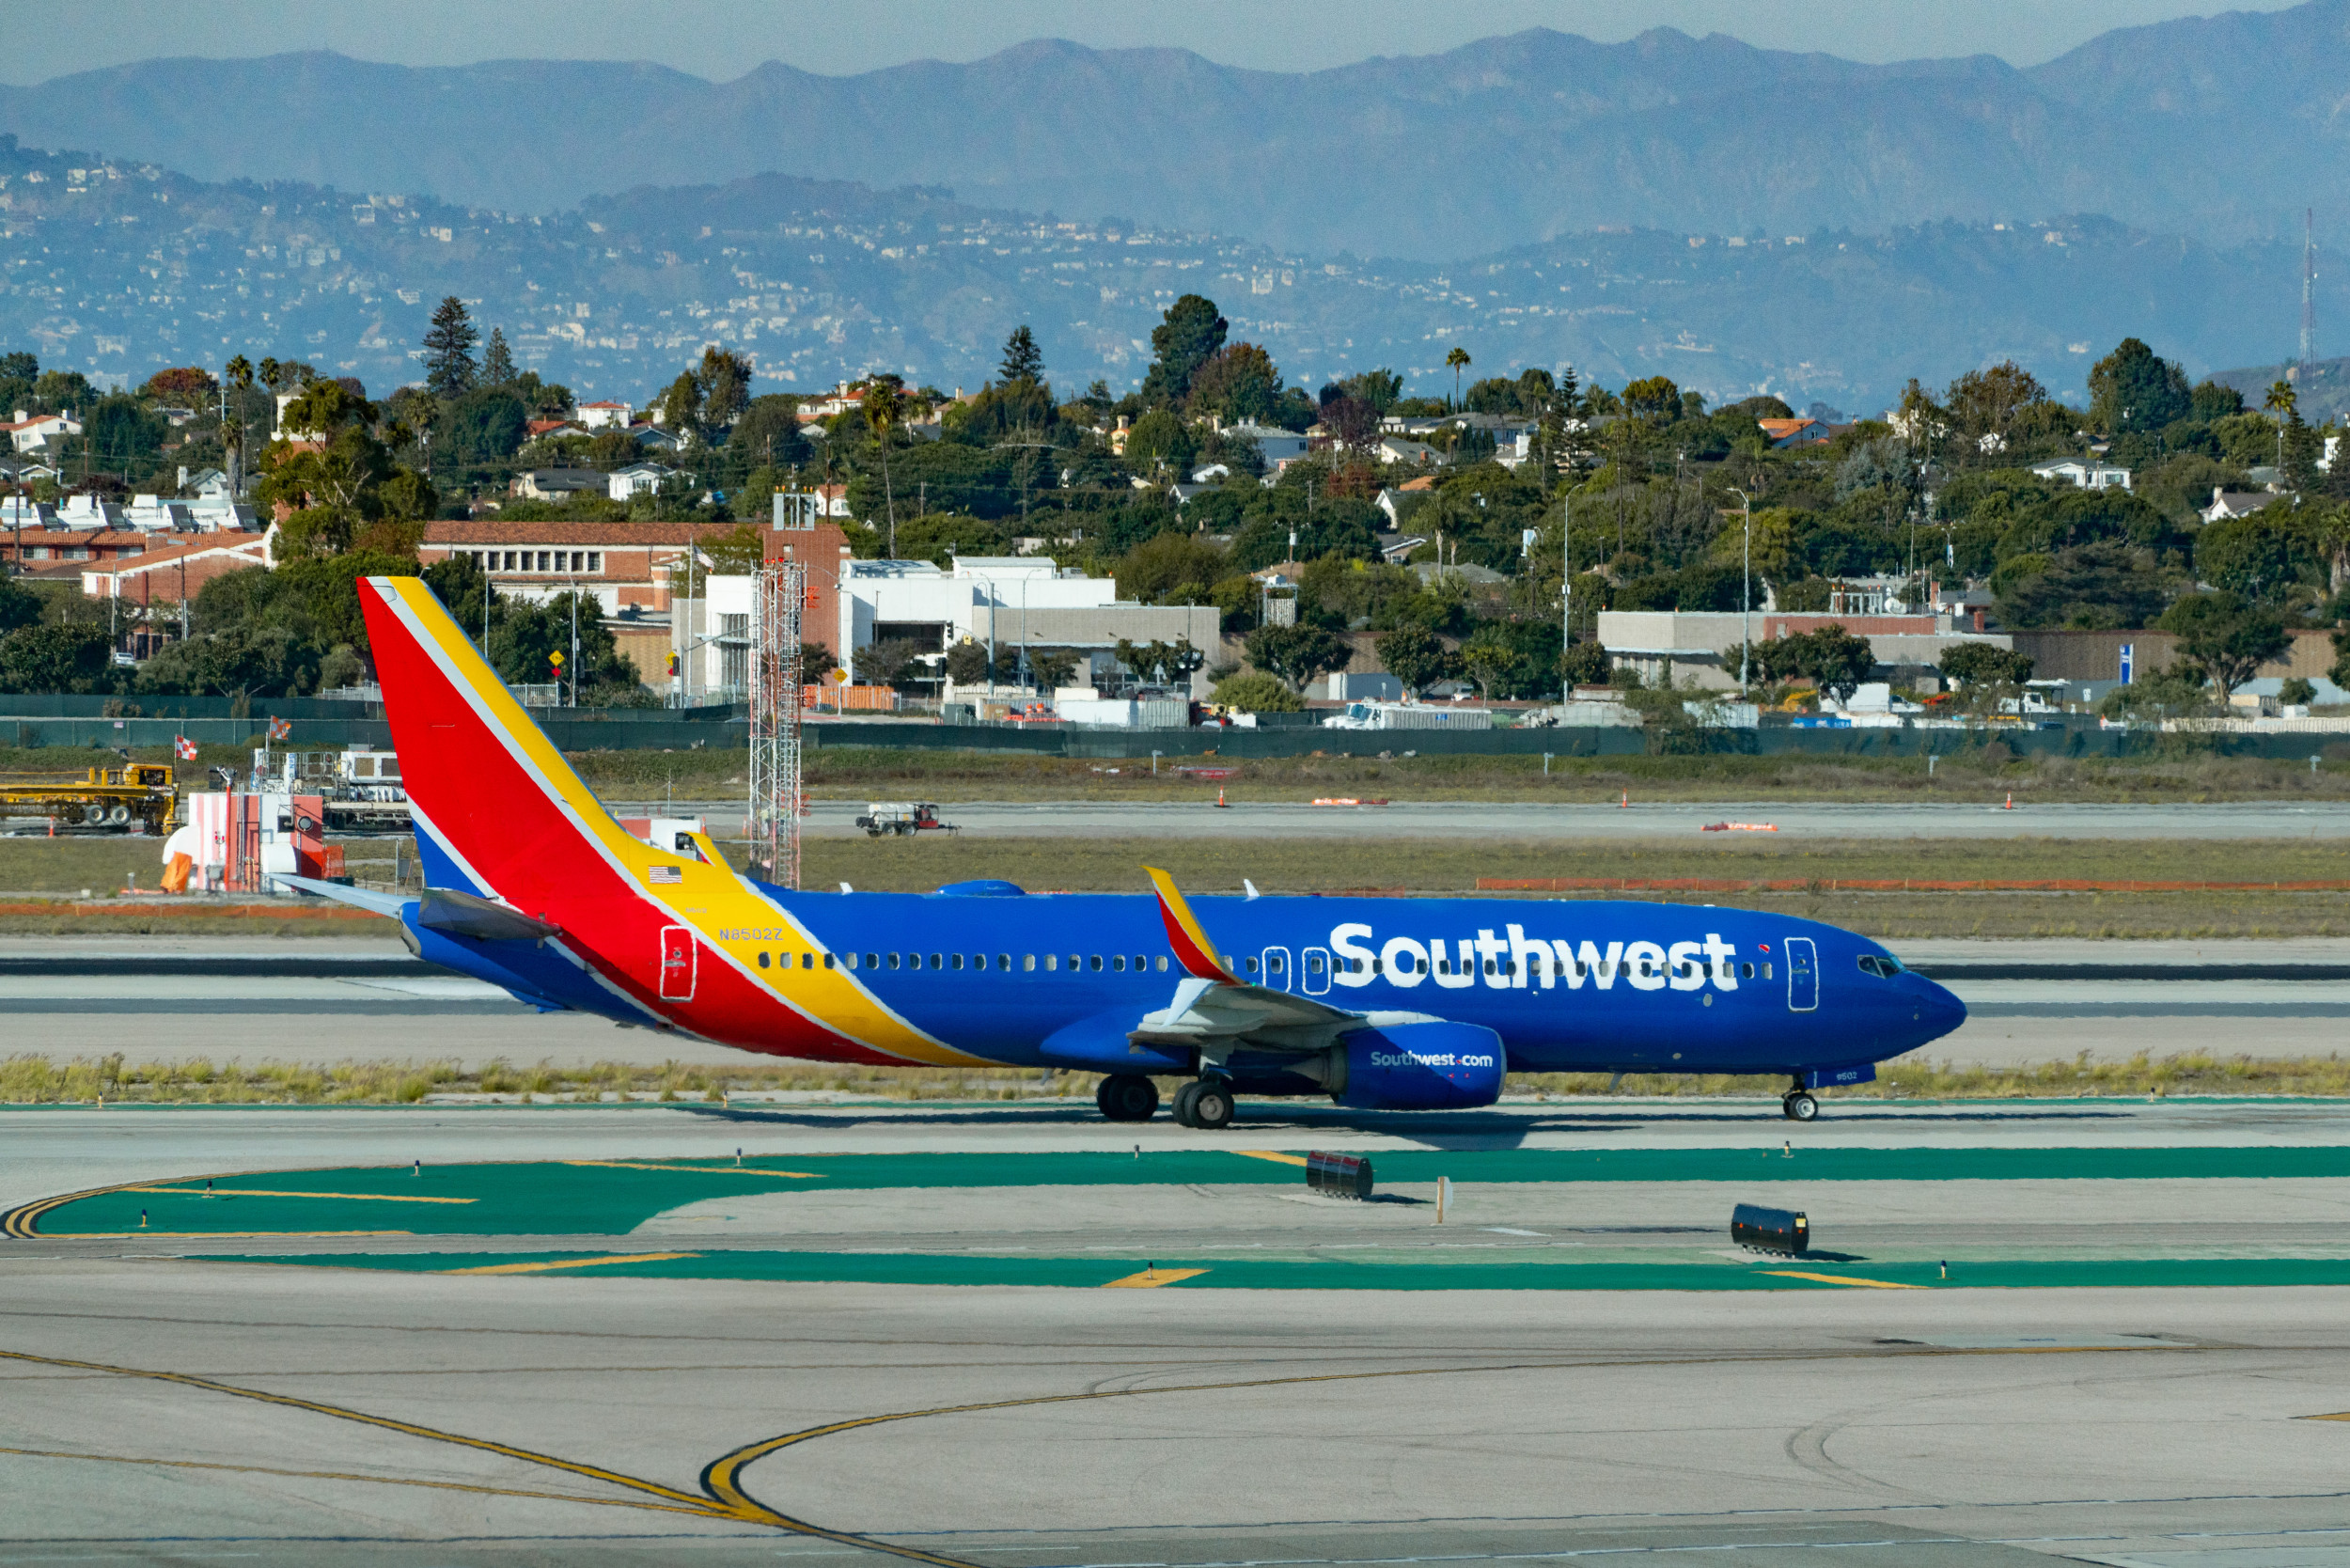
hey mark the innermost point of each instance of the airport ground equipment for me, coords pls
(900, 817)
(138, 796)
(1338, 1175)
(1781, 1231)
(358, 789)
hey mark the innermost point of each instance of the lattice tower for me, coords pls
(777, 801)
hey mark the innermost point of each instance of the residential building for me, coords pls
(1397, 502)
(1792, 432)
(1407, 453)
(2091, 474)
(655, 439)
(2225, 504)
(553, 430)
(844, 398)
(637, 478)
(559, 484)
(40, 432)
(171, 571)
(605, 416)
(1272, 444)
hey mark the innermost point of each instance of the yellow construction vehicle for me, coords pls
(106, 800)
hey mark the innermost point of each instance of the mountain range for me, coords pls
(2221, 127)
(117, 267)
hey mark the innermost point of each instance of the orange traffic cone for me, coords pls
(1219, 796)
(2011, 801)
(1626, 802)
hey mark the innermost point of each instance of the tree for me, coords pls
(884, 404)
(1489, 656)
(191, 385)
(19, 606)
(1970, 662)
(1239, 382)
(1586, 664)
(1255, 692)
(1415, 656)
(768, 433)
(1191, 329)
(1832, 658)
(1158, 663)
(680, 405)
(725, 379)
(1651, 398)
(2224, 637)
(2133, 391)
(1023, 360)
(1159, 438)
(1298, 653)
(497, 361)
(54, 659)
(1983, 404)
(1456, 359)
(448, 343)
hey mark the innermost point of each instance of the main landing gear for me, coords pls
(1127, 1097)
(1797, 1104)
(1205, 1104)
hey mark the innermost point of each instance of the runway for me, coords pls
(1604, 821)
(956, 1388)
(328, 1000)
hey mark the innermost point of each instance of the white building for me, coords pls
(1006, 602)
(637, 478)
(2088, 475)
(40, 432)
(604, 415)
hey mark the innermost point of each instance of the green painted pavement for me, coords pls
(609, 1198)
(1336, 1274)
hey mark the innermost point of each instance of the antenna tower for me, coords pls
(776, 803)
(2309, 294)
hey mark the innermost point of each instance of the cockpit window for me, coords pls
(1882, 965)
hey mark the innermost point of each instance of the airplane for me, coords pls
(1378, 1004)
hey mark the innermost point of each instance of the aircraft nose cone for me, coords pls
(1941, 1010)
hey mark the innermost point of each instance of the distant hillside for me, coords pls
(118, 268)
(2222, 128)
(2324, 396)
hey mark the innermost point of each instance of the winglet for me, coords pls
(1193, 950)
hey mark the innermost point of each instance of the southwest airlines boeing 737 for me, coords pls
(1389, 1004)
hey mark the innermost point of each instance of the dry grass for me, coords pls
(41, 1080)
(966, 775)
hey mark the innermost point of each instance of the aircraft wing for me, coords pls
(1213, 1007)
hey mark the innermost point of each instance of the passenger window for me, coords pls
(1766, 971)
(1096, 964)
(958, 961)
(1027, 964)
(872, 961)
(1746, 971)
(1252, 966)
(763, 961)
(1162, 964)
(1002, 961)
(1313, 964)
(828, 961)
(1077, 962)
(938, 962)
(1052, 962)
(1422, 965)
(1119, 963)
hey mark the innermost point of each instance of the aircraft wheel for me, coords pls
(1180, 1107)
(1212, 1105)
(1127, 1097)
(1800, 1108)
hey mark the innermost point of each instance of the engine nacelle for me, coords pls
(1431, 1066)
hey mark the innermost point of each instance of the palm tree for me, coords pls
(1459, 360)
(883, 404)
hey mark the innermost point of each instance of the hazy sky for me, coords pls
(722, 38)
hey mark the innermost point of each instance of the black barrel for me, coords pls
(1764, 1229)
(1339, 1175)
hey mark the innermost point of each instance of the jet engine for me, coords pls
(1435, 1065)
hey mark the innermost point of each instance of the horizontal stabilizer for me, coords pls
(389, 904)
(484, 919)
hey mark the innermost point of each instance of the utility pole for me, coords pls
(1746, 592)
(1566, 595)
(2309, 296)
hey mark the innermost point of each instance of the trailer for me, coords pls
(138, 797)
(900, 817)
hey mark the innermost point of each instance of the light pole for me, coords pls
(1745, 589)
